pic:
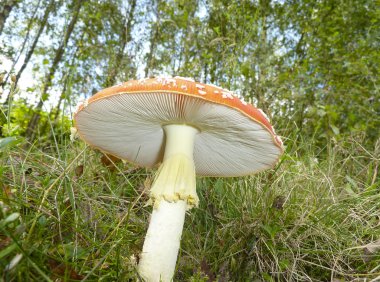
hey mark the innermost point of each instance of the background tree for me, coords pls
(28, 55)
(6, 7)
(124, 39)
(307, 63)
(30, 130)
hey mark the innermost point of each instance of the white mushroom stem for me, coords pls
(173, 192)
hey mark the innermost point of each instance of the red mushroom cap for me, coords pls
(126, 120)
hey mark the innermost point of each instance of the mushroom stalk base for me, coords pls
(162, 241)
(172, 193)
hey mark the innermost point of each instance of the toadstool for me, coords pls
(189, 129)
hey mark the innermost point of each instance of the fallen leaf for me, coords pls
(206, 269)
(223, 273)
(373, 247)
(58, 270)
(110, 161)
(29, 170)
(79, 170)
(4, 242)
(147, 184)
(279, 202)
(370, 250)
(7, 191)
(97, 176)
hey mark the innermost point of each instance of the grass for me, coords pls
(68, 214)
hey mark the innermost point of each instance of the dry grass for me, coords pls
(72, 216)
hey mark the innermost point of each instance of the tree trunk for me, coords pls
(26, 39)
(5, 9)
(149, 61)
(125, 38)
(54, 113)
(153, 43)
(30, 131)
(32, 47)
(261, 58)
(186, 47)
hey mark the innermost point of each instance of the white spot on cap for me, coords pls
(278, 138)
(184, 87)
(199, 86)
(185, 78)
(142, 80)
(243, 102)
(78, 106)
(216, 86)
(227, 94)
(166, 81)
(216, 91)
(171, 81)
(83, 103)
(202, 92)
(117, 85)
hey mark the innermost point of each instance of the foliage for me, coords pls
(16, 122)
(310, 65)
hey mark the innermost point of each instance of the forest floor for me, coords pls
(69, 213)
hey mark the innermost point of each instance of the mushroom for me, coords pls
(189, 129)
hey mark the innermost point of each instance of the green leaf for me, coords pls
(44, 97)
(12, 217)
(9, 142)
(321, 112)
(42, 220)
(267, 277)
(272, 230)
(335, 129)
(284, 264)
(351, 181)
(7, 250)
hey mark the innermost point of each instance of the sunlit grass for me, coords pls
(68, 214)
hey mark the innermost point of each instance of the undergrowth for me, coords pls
(69, 213)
